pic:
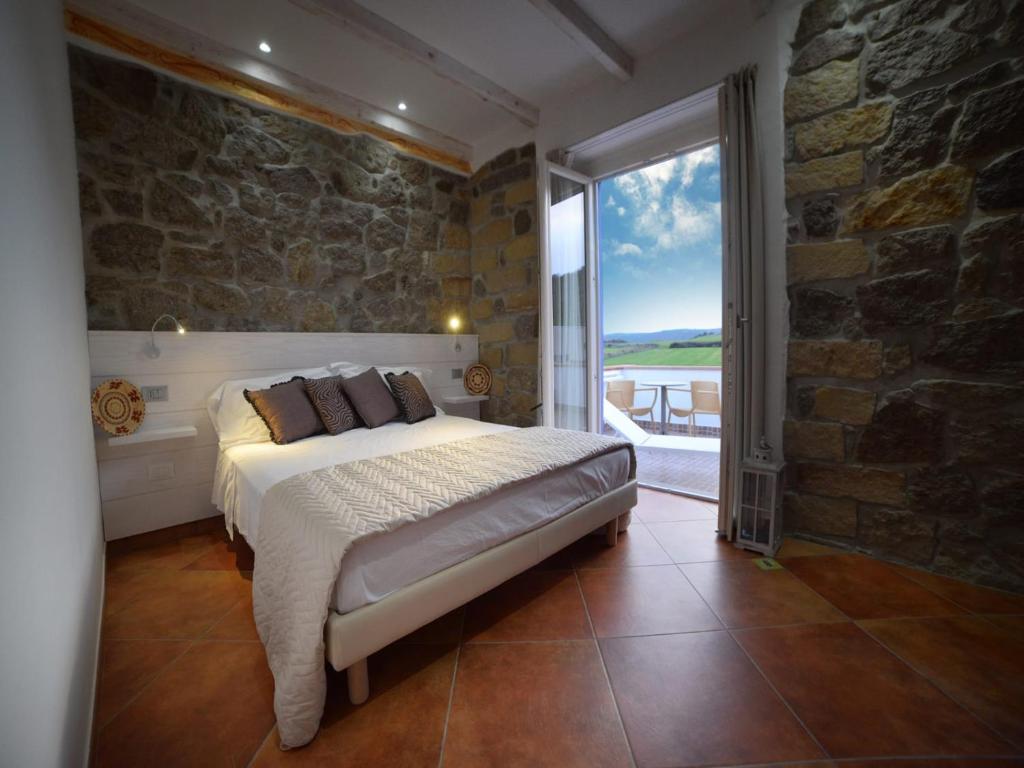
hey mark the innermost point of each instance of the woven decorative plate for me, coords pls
(477, 379)
(118, 407)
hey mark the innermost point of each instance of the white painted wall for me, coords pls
(702, 57)
(51, 547)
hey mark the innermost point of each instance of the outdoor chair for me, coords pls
(622, 394)
(703, 399)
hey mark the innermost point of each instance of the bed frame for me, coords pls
(351, 637)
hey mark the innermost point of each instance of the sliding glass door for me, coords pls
(569, 318)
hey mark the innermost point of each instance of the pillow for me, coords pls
(413, 400)
(328, 397)
(371, 398)
(286, 410)
(349, 370)
(234, 419)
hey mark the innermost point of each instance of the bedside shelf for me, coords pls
(150, 435)
(463, 399)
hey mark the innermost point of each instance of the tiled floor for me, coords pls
(672, 649)
(693, 471)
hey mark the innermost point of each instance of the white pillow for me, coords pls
(234, 419)
(347, 369)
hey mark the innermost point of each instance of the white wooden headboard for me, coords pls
(152, 485)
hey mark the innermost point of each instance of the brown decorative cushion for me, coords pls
(413, 400)
(330, 402)
(371, 398)
(286, 410)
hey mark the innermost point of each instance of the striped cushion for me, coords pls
(411, 397)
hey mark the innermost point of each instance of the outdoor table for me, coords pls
(664, 386)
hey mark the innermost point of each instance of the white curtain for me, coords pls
(568, 292)
(743, 339)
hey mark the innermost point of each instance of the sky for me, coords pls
(660, 244)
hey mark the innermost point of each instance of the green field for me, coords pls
(660, 353)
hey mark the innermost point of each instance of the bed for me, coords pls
(394, 582)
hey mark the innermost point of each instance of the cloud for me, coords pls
(692, 161)
(627, 249)
(611, 202)
(621, 211)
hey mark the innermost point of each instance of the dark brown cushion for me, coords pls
(371, 398)
(413, 400)
(330, 402)
(286, 410)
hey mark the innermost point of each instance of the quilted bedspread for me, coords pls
(309, 521)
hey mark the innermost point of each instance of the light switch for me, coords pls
(456, 373)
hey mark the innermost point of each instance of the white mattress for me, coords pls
(377, 566)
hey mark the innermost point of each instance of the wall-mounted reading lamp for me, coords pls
(153, 350)
(454, 324)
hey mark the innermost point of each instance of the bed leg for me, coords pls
(611, 532)
(358, 682)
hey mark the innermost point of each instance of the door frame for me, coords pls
(595, 396)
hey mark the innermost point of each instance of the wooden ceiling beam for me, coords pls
(366, 24)
(132, 31)
(586, 32)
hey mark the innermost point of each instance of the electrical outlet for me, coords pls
(456, 373)
(155, 394)
(163, 470)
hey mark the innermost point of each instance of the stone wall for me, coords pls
(505, 295)
(905, 183)
(235, 218)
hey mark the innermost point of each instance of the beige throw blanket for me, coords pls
(309, 521)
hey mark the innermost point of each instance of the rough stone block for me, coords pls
(456, 237)
(902, 431)
(819, 15)
(493, 357)
(902, 15)
(841, 359)
(834, 44)
(991, 121)
(456, 287)
(994, 344)
(915, 54)
(132, 247)
(833, 85)
(521, 192)
(855, 407)
(825, 173)
(930, 197)
(845, 129)
(196, 262)
(816, 313)
(494, 233)
(497, 331)
(827, 261)
(946, 491)
(994, 440)
(912, 298)
(918, 249)
(522, 353)
(482, 309)
(899, 533)
(1001, 184)
(523, 248)
(820, 515)
(813, 440)
(820, 217)
(875, 486)
(949, 394)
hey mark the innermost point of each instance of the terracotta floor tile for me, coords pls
(212, 707)
(968, 762)
(237, 624)
(1012, 624)
(799, 548)
(743, 595)
(171, 556)
(401, 724)
(537, 605)
(977, 663)
(125, 587)
(182, 607)
(974, 598)
(554, 708)
(636, 546)
(863, 588)
(644, 601)
(225, 556)
(446, 630)
(858, 699)
(126, 667)
(658, 507)
(694, 542)
(666, 728)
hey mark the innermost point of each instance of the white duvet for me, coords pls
(378, 566)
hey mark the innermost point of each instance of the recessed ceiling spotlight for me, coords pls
(264, 46)
(403, 106)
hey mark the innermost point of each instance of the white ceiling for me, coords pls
(508, 41)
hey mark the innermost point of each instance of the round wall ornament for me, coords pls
(477, 379)
(118, 407)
